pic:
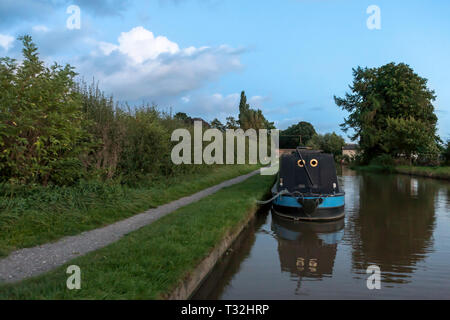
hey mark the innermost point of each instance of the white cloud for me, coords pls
(6, 41)
(144, 66)
(140, 44)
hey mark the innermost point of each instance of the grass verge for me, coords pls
(431, 172)
(150, 262)
(36, 215)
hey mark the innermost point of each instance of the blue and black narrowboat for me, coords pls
(307, 187)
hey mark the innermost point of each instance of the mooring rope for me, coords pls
(285, 191)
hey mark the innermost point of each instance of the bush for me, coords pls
(446, 153)
(55, 131)
(41, 132)
(384, 160)
(147, 146)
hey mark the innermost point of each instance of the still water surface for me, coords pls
(397, 222)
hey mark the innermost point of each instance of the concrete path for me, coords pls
(29, 262)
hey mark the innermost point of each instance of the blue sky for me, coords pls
(196, 56)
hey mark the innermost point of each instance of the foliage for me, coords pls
(446, 153)
(107, 125)
(182, 117)
(329, 143)
(147, 147)
(216, 124)
(392, 91)
(56, 131)
(250, 118)
(383, 160)
(291, 137)
(41, 121)
(232, 123)
(405, 136)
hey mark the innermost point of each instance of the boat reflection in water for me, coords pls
(307, 249)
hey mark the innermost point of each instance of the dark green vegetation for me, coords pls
(304, 134)
(430, 172)
(41, 121)
(149, 263)
(329, 143)
(297, 135)
(248, 118)
(439, 172)
(54, 131)
(391, 113)
(446, 153)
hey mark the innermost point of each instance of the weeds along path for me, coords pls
(29, 262)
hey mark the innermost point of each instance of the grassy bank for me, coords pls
(31, 216)
(431, 172)
(148, 263)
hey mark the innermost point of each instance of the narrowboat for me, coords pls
(307, 187)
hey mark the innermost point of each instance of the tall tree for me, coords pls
(251, 118)
(391, 91)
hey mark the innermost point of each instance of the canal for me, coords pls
(399, 223)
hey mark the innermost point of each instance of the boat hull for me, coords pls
(331, 207)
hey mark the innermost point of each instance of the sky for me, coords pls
(196, 56)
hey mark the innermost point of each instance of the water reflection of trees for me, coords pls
(307, 249)
(395, 224)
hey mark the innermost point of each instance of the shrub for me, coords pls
(446, 153)
(41, 132)
(384, 160)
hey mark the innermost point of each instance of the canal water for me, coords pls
(396, 222)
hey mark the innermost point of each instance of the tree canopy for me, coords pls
(251, 118)
(290, 138)
(391, 111)
(329, 143)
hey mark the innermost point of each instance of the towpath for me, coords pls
(30, 262)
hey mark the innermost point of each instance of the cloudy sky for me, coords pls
(195, 56)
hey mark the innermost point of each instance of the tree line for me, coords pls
(56, 130)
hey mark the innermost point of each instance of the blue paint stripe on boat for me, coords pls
(328, 202)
